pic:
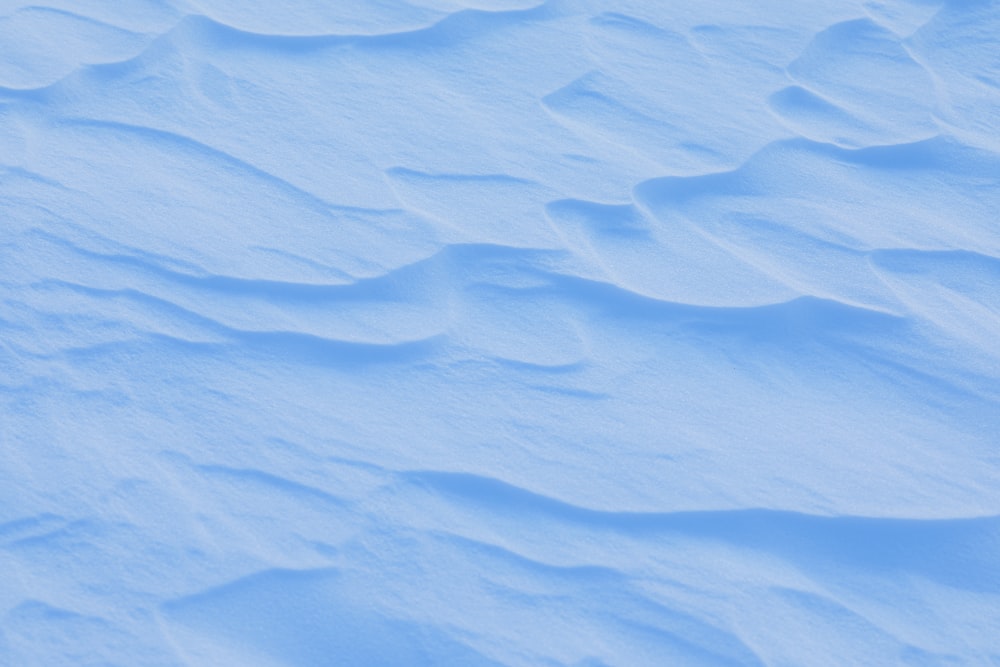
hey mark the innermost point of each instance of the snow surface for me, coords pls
(479, 332)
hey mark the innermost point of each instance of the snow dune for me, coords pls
(501, 332)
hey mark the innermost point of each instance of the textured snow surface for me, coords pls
(499, 332)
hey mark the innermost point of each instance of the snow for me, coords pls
(501, 332)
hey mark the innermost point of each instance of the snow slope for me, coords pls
(500, 332)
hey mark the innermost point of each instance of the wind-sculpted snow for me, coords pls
(499, 332)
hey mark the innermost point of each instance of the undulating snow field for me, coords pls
(499, 332)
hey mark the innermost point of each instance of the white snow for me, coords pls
(515, 332)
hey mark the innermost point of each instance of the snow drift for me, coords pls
(511, 332)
